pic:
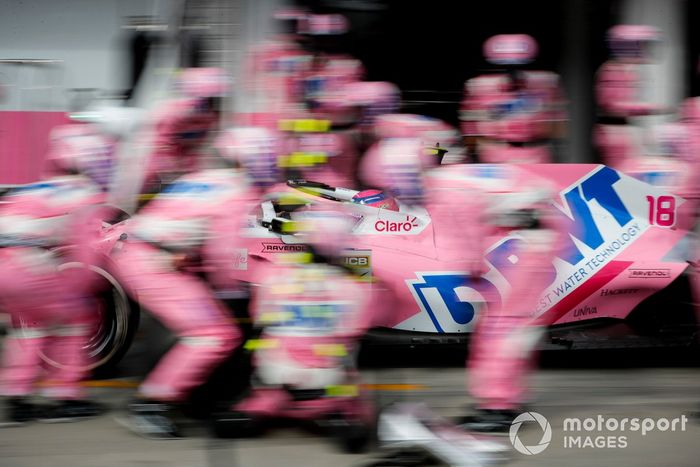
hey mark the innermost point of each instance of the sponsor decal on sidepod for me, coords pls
(603, 213)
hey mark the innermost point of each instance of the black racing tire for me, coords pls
(116, 327)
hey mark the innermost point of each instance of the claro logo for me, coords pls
(394, 226)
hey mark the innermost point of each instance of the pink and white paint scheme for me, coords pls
(621, 241)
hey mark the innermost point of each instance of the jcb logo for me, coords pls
(357, 261)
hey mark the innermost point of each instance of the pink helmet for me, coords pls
(618, 89)
(434, 133)
(322, 25)
(79, 148)
(400, 165)
(510, 49)
(375, 97)
(690, 111)
(377, 199)
(288, 19)
(515, 118)
(255, 149)
(632, 43)
(412, 125)
(359, 102)
(203, 83)
(676, 140)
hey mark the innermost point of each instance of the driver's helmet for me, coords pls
(376, 199)
(255, 150)
(633, 43)
(510, 49)
(81, 149)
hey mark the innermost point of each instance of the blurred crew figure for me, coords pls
(43, 225)
(274, 70)
(175, 134)
(322, 36)
(690, 117)
(503, 346)
(514, 113)
(159, 263)
(439, 139)
(311, 309)
(620, 95)
(675, 168)
(469, 204)
(325, 146)
(408, 169)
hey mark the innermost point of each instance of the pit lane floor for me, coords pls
(557, 394)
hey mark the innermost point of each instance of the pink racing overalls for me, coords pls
(691, 118)
(52, 316)
(178, 223)
(504, 342)
(617, 94)
(312, 316)
(274, 74)
(677, 173)
(317, 152)
(513, 124)
(173, 140)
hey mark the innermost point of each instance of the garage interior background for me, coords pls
(71, 51)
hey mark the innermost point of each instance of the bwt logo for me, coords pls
(451, 299)
(578, 222)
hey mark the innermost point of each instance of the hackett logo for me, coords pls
(605, 292)
(394, 226)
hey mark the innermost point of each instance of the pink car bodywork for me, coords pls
(624, 242)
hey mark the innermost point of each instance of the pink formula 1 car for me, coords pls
(617, 282)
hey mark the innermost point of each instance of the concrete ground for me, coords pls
(557, 394)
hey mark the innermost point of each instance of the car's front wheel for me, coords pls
(115, 324)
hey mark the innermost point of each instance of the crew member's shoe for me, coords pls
(19, 411)
(150, 419)
(71, 411)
